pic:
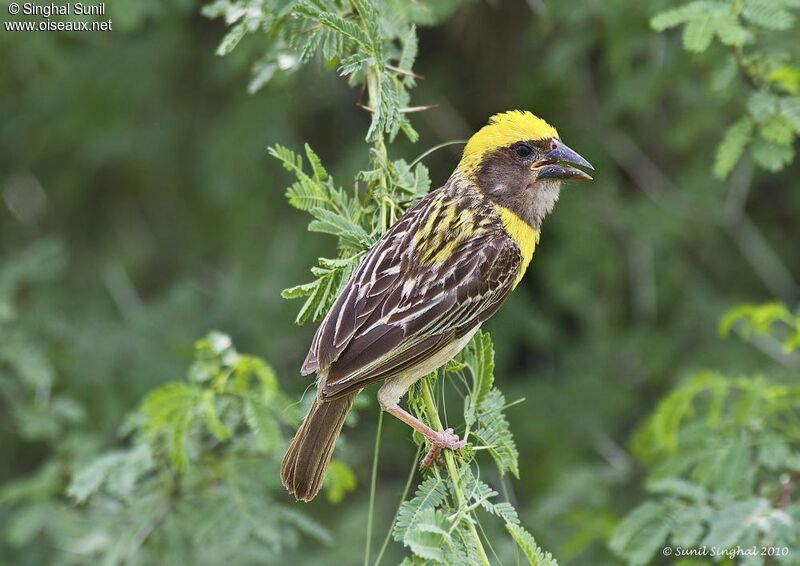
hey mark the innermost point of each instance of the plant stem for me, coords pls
(372, 487)
(402, 499)
(452, 469)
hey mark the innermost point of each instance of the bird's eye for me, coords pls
(523, 150)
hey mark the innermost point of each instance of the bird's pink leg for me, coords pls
(439, 440)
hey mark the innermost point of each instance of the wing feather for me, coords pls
(375, 275)
(428, 319)
(401, 306)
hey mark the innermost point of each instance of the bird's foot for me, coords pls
(445, 439)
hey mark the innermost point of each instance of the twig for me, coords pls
(787, 484)
(452, 469)
(147, 529)
(405, 109)
(405, 72)
(406, 489)
(744, 69)
(373, 483)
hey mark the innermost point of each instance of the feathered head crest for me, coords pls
(503, 130)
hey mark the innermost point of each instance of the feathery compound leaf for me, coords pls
(346, 28)
(262, 422)
(318, 293)
(526, 543)
(777, 129)
(339, 480)
(732, 146)
(790, 109)
(677, 16)
(641, 534)
(756, 318)
(308, 192)
(477, 491)
(430, 494)
(731, 521)
(772, 156)
(429, 536)
(494, 431)
(320, 173)
(118, 470)
(703, 21)
(350, 234)
(169, 412)
(699, 32)
(762, 105)
(408, 55)
(770, 14)
(369, 18)
(478, 357)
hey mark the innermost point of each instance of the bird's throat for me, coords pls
(525, 236)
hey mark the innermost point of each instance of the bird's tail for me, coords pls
(303, 467)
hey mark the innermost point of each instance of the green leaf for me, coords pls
(346, 28)
(772, 156)
(641, 533)
(169, 411)
(349, 233)
(730, 32)
(725, 466)
(339, 480)
(299, 291)
(429, 494)
(322, 292)
(777, 129)
(232, 39)
(677, 16)
(762, 105)
(478, 357)
(211, 417)
(369, 18)
(429, 536)
(408, 54)
(688, 523)
(120, 470)
(732, 146)
(320, 173)
(731, 521)
(493, 430)
(698, 33)
(790, 109)
(262, 422)
(526, 543)
(769, 14)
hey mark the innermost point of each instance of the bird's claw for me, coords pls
(446, 439)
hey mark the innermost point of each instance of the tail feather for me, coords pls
(303, 467)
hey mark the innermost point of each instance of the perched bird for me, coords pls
(428, 284)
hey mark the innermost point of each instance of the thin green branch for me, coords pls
(452, 469)
(406, 489)
(373, 483)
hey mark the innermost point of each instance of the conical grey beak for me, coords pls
(556, 171)
(563, 153)
(557, 163)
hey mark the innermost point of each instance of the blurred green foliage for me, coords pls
(758, 34)
(140, 210)
(723, 457)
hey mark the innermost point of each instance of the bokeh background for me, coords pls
(140, 210)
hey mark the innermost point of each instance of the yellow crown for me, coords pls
(503, 130)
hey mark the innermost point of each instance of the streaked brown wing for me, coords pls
(427, 308)
(373, 279)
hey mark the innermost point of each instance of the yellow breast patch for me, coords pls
(522, 233)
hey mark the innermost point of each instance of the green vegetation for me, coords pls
(141, 180)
